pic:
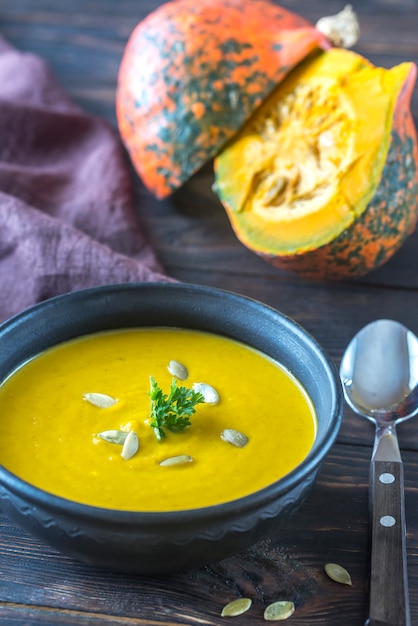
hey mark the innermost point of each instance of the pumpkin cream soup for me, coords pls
(153, 419)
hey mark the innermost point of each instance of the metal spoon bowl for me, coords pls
(379, 373)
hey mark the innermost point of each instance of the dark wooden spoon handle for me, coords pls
(389, 599)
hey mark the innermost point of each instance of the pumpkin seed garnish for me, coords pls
(177, 369)
(176, 460)
(130, 446)
(230, 435)
(209, 393)
(236, 607)
(113, 436)
(101, 400)
(338, 573)
(280, 610)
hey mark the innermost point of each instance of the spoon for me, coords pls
(379, 373)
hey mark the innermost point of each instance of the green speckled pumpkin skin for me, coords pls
(388, 219)
(379, 232)
(193, 72)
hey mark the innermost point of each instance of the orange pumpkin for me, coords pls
(193, 72)
(323, 179)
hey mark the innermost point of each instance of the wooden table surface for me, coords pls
(83, 41)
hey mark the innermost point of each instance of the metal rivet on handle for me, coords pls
(387, 478)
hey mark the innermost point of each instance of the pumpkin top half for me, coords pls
(193, 72)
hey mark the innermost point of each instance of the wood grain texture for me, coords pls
(389, 596)
(83, 42)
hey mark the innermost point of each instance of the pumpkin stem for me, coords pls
(341, 29)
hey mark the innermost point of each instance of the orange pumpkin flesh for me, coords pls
(193, 72)
(323, 179)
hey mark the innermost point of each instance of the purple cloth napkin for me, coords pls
(66, 213)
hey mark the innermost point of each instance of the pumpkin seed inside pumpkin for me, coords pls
(338, 573)
(280, 610)
(236, 607)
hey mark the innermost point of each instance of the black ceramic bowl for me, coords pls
(155, 543)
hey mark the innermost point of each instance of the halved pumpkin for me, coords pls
(323, 179)
(193, 71)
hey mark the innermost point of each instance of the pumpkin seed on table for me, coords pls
(177, 369)
(338, 573)
(234, 437)
(102, 400)
(209, 393)
(279, 610)
(236, 607)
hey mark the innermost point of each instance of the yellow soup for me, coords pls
(52, 427)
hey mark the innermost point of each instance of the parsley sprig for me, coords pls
(172, 411)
